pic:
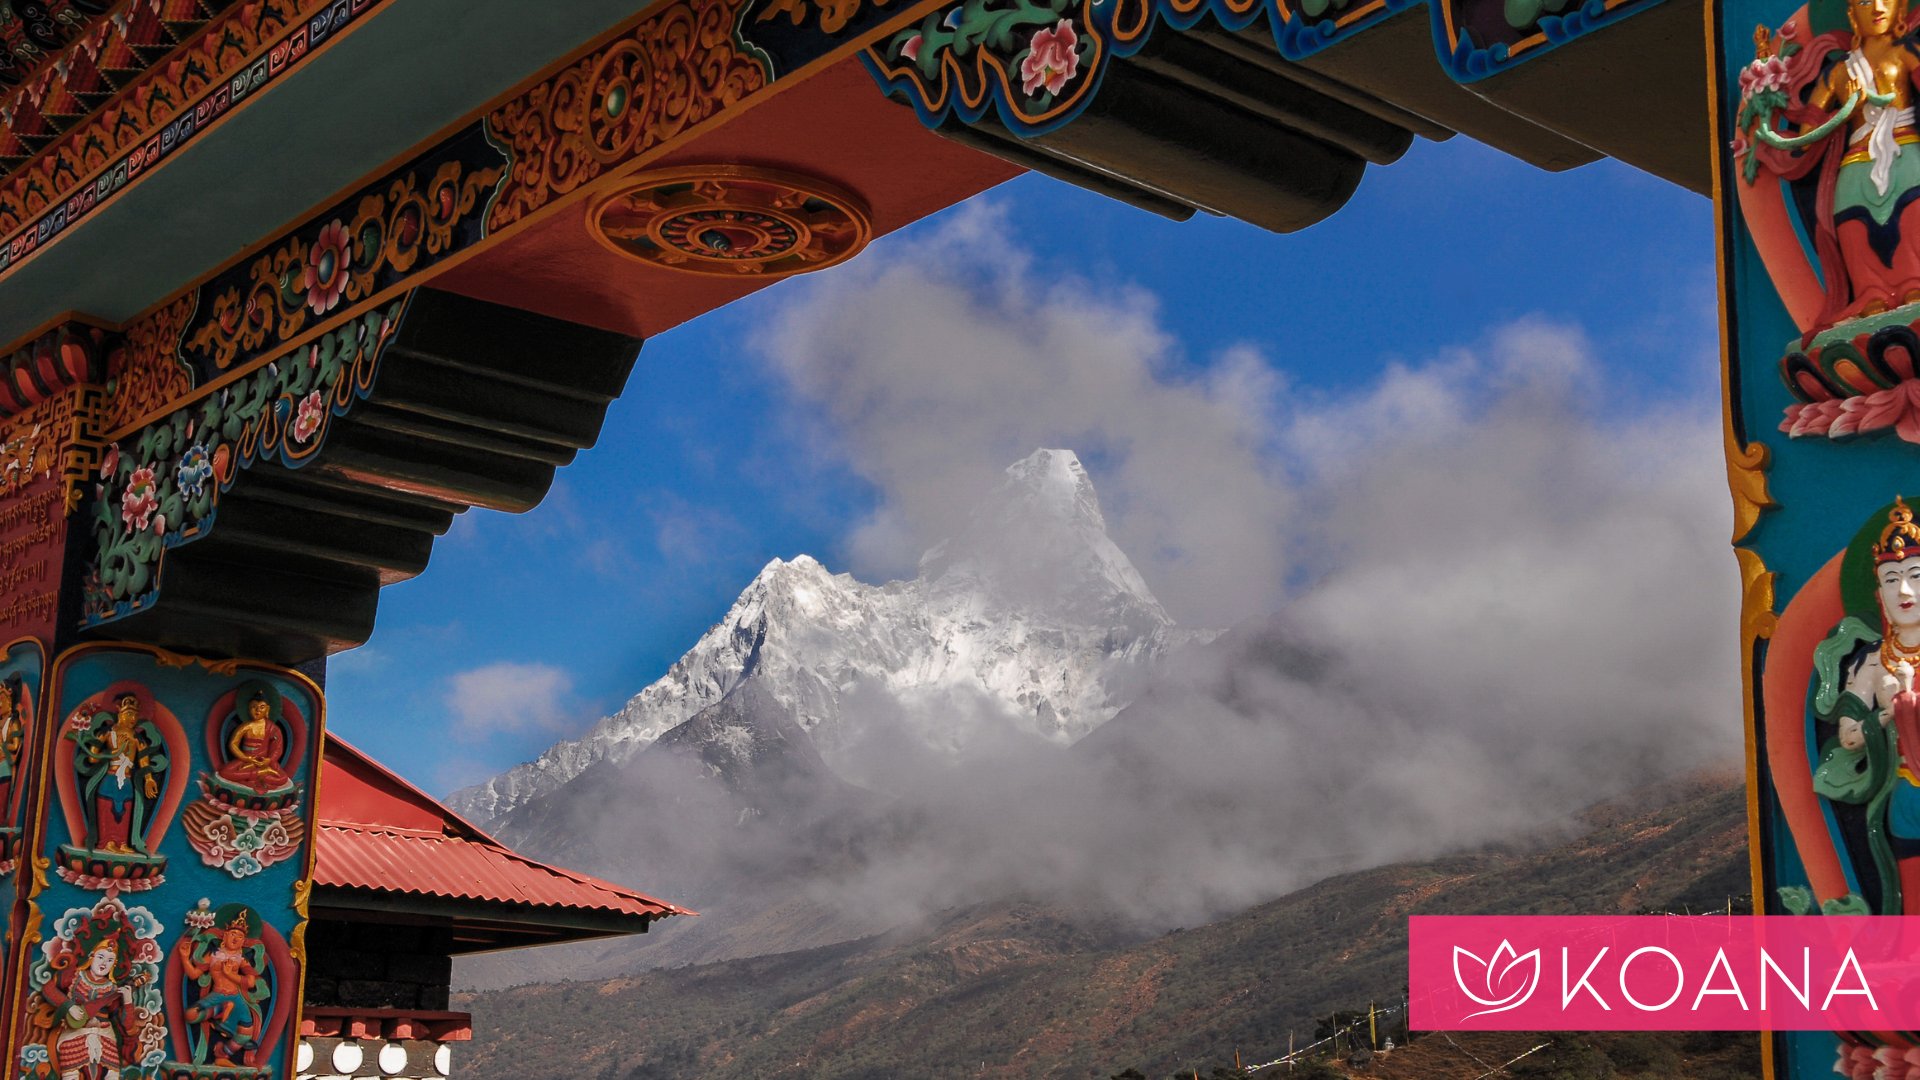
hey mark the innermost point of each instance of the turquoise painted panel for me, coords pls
(177, 808)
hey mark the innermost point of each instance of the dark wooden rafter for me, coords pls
(1184, 125)
(1242, 116)
(475, 405)
(1393, 62)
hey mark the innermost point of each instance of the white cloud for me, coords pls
(1503, 595)
(933, 367)
(511, 698)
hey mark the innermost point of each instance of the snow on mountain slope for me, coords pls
(1031, 616)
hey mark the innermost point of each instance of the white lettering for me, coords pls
(1679, 978)
(1566, 995)
(1802, 993)
(1706, 986)
(1865, 991)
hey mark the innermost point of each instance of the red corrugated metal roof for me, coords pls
(419, 863)
(369, 838)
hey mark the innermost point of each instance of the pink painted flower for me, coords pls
(110, 461)
(1766, 74)
(140, 500)
(307, 420)
(160, 524)
(911, 50)
(326, 272)
(1052, 60)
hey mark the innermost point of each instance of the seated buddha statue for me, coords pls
(255, 749)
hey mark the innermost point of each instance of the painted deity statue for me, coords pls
(228, 990)
(13, 735)
(91, 1003)
(121, 762)
(93, 1013)
(255, 748)
(1867, 717)
(1837, 112)
(249, 813)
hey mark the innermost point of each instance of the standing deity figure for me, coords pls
(1850, 128)
(122, 764)
(227, 994)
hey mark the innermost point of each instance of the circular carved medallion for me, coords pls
(732, 220)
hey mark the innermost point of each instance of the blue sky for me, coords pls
(710, 464)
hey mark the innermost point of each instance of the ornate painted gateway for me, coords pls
(1819, 201)
(456, 223)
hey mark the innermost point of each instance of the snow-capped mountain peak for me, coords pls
(1030, 616)
(1040, 540)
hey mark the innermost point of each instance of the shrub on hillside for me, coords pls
(1567, 1057)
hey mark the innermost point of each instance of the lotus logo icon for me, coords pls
(1507, 978)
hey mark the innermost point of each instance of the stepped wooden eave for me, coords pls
(1202, 116)
(385, 850)
(462, 220)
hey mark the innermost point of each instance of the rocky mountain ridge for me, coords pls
(1030, 619)
(1016, 989)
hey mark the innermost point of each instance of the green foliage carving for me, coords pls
(160, 486)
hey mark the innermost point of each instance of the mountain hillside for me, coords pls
(1030, 621)
(1016, 990)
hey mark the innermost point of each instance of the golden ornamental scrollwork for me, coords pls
(342, 261)
(732, 220)
(80, 459)
(834, 15)
(152, 375)
(302, 900)
(1757, 616)
(166, 659)
(1747, 482)
(56, 438)
(671, 72)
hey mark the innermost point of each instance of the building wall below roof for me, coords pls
(364, 965)
(333, 1058)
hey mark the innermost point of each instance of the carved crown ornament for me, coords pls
(732, 220)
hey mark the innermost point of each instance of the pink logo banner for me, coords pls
(1664, 973)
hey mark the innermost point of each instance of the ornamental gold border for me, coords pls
(1746, 462)
(1747, 485)
(30, 878)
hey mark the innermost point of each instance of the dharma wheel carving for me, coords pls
(733, 220)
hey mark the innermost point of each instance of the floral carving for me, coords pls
(338, 259)
(1051, 60)
(676, 69)
(159, 485)
(307, 417)
(968, 58)
(139, 500)
(325, 274)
